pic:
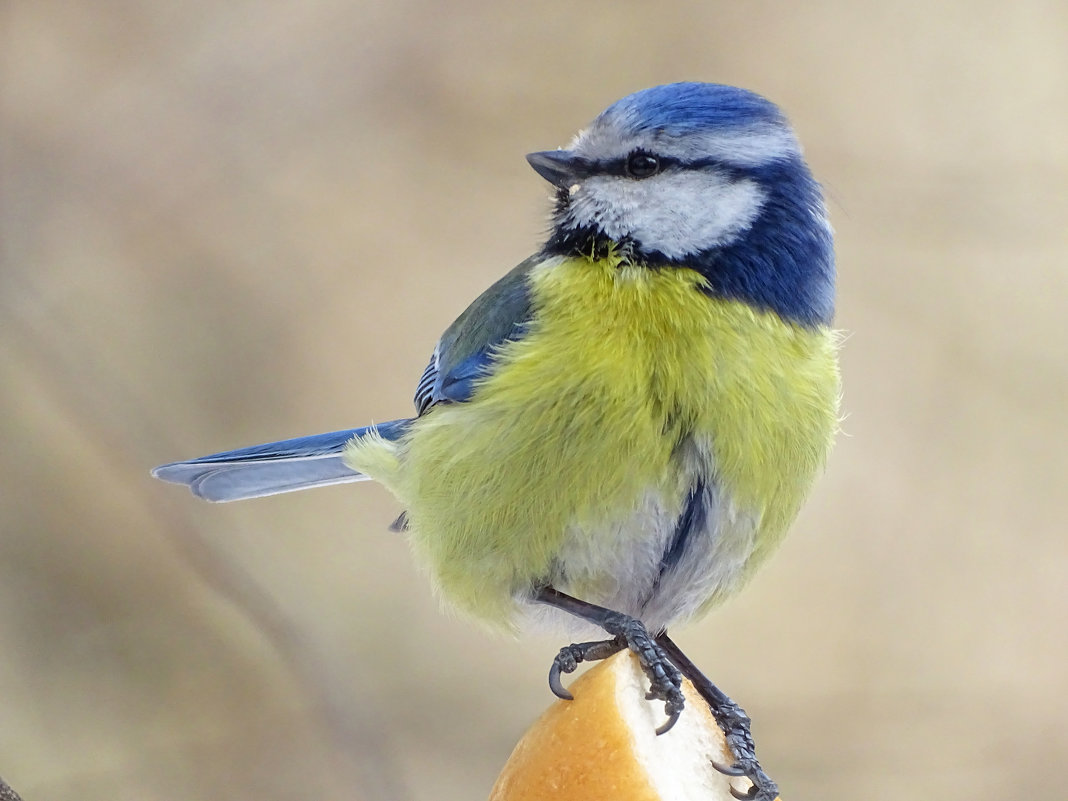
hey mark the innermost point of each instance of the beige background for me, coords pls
(224, 223)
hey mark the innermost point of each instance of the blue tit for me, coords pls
(623, 427)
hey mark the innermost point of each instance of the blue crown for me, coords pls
(682, 108)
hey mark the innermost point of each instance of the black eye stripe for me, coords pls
(618, 166)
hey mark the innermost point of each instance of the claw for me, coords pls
(556, 685)
(667, 725)
(729, 770)
(748, 795)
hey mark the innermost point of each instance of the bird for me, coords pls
(621, 429)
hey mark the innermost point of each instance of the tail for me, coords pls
(273, 468)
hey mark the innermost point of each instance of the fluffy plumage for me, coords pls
(634, 414)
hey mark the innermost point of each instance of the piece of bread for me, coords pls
(603, 746)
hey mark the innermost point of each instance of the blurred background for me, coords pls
(225, 223)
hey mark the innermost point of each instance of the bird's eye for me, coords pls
(642, 165)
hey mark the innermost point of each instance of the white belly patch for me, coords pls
(660, 565)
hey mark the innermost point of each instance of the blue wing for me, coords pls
(465, 352)
(463, 355)
(275, 467)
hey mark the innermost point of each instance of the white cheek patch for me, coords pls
(677, 213)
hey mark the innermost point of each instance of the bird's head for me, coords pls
(703, 176)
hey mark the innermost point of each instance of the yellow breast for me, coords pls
(585, 415)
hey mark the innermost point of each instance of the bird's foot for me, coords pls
(665, 681)
(735, 725)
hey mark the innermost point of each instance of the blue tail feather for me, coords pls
(274, 467)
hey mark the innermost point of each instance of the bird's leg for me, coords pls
(732, 721)
(665, 681)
